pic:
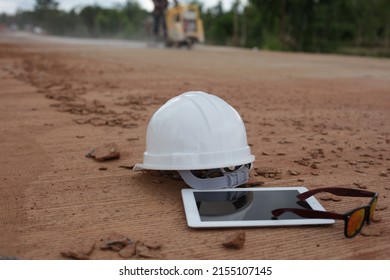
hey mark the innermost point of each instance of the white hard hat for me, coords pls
(198, 131)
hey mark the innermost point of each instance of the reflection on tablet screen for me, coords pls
(246, 205)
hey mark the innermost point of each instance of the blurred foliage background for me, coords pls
(359, 27)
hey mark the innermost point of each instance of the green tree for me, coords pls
(47, 15)
(46, 5)
(88, 17)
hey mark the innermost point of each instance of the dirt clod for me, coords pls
(268, 172)
(330, 197)
(80, 252)
(317, 153)
(127, 251)
(235, 241)
(293, 172)
(303, 161)
(128, 248)
(130, 167)
(115, 242)
(360, 186)
(155, 245)
(105, 152)
(143, 251)
(314, 165)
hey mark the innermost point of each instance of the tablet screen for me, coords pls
(246, 205)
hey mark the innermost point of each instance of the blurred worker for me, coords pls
(159, 17)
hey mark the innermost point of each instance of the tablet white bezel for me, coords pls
(194, 221)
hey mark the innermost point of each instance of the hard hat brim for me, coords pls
(143, 166)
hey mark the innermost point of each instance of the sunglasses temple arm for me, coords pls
(308, 213)
(336, 191)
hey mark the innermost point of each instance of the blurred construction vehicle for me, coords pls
(184, 26)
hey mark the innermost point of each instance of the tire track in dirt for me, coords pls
(22, 161)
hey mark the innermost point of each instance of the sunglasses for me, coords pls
(353, 220)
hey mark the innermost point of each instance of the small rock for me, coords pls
(98, 104)
(143, 251)
(127, 251)
(115, 242)
(81, 252)
(127, 248)
(74, 255)
(360, 186)
(367, 155)
(285, 142)
(331, 197)
(303, 161)
(314, 165)
(235, 241)
(81, 121)
(97, 121)
(293, 172)
(268, 172)
(317, 153)
(155, 245)
(127, 167)
(105, 152)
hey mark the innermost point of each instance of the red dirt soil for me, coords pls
(312, 120)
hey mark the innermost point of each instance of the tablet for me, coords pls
(247, 207)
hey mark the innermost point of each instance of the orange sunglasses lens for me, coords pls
(355, 222)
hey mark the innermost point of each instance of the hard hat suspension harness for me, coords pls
(229, 179)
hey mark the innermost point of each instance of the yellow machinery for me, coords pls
(184, 26)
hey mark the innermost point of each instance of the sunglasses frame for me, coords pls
(306, 213)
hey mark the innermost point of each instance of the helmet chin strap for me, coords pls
(227, 181)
